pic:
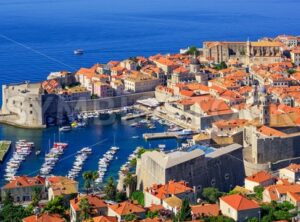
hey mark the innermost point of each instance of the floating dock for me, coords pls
(4, 148)
(164, 135)
(133, 116)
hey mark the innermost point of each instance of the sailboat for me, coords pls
(114, 147)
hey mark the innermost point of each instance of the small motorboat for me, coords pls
(65, 129)
(78, 52)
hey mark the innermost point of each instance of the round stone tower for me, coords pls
(194, 64)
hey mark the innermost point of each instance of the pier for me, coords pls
(4, 148)
(164, 135)
(133, 116)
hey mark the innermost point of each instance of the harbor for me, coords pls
(96, 134)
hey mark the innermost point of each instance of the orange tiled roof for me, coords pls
(294, 196)
(165, 61)
(187, 93)
(126, 207)
(181, 70)
(275, 191)
(171, 188)
(44, 217)
(294, 167)
(155, 207)
(268, 131)
(62, 185)
(206, 209)
(103, 219)
(197, 86)
(214, 107)
(24, 181)
(239, 203)
(230, 123)
(260, 177)
(94, 201)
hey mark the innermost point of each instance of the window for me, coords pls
(226, 176)
(30, 111)
(213, 182)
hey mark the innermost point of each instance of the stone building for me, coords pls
(194, 167)
(97, 205)
(262, 52)
(22, 188)
(295, 56)
(140, 83)
(22, 105)
(239, 208)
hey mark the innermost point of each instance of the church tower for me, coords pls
(194, 64)
(264, 107)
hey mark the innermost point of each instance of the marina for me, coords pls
(52, 158)
(80, 158)
(22, 150)
(105, 161)
(94, 132)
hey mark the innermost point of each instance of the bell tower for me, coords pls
(194, 64)
(264, 107)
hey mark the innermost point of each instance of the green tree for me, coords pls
(211, 194)
(56, 206)
(130, 182)
(151, 214)
(139, 197)
(192, 50)
(89, 180)
(85, 209)
(259, 192)
(291, 71)
(220, 66)
(110, 189)
(121, 196)
(10, 212)
(133, 162)
(36, 196)
(87, 176)
(95, 176)
(130, 217)
(184, 213)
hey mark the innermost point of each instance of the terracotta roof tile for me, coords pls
(171, 188)
(44, 217)
(24, 181)
(94, 201)
(206, 210)
(126, 207)
(239, 203)
(260, 177)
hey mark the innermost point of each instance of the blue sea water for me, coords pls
(39, 36)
